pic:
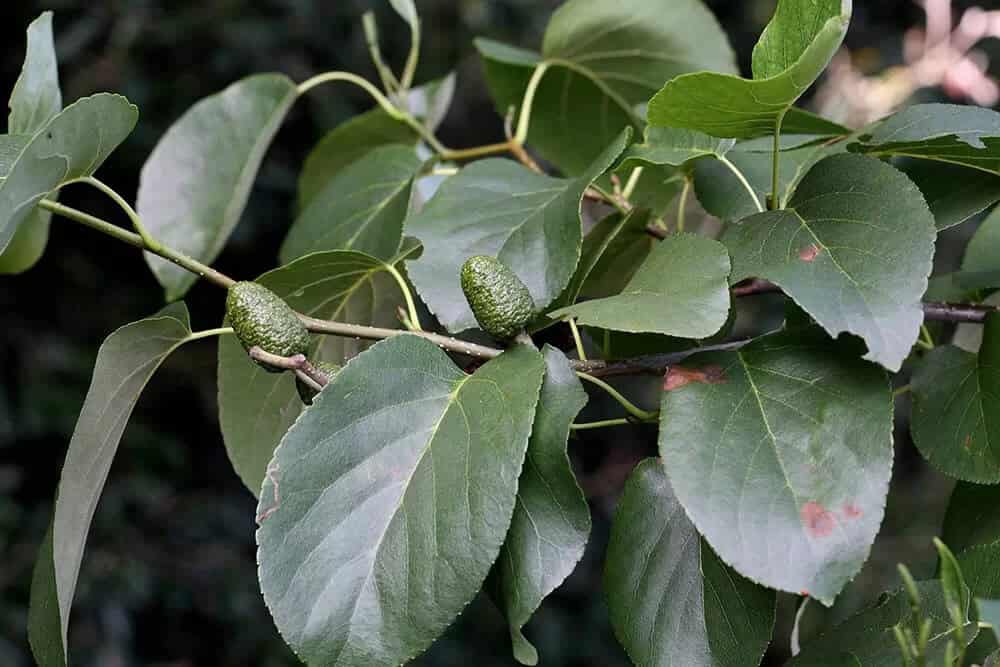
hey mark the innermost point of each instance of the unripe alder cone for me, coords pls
(307, 393)
(262, 319)
(499, 300)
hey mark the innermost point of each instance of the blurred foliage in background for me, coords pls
(170, 574)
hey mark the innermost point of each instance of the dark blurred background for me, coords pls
(169, 577)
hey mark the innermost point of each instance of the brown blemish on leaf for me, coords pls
(968, 442)
(678, 376)
(852, 511)
(818, 520)
(809, 253)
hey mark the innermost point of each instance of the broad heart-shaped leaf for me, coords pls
(351, 140)
(33, 103)
(195, 185)
(781, 454)
(955, 422)
(954, 193)
(961, 135)
(390, 498)
(496, 207)
(981, 266)
(681, 290)
(607, 59)
(346, 144)
(125, 363)
(72, 145)
(257, 407)
(793, 51)
(362, 208)
(672, 601)
(551, 520)
(867, 640)
(854, 250)
(722, 193)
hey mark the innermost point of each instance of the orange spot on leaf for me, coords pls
(678, 376)
(809, 253)
(804, 593)
(818, 520)
(852, 511)
(968, 441)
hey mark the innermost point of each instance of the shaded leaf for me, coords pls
(346, 144)
(972, 518)
(866, 639)
(495, 207)
(257, 407)
(955, 421)
(781, 454)
(31, 238)
(72, 145)
(628, 246)
(680, 290)
(125, 363)
(793, 51)
(854, 250)
(195, 185)
(608, 58)
(362, 208)
(673, 147)
(551, 520)
(962, 135)
(390, 499)
(954, 193)
(981, 266)
(671, 600)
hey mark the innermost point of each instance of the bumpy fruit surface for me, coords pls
(262, 319)
(307, 393)
(499, 300)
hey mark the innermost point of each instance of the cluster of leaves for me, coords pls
(412, 483)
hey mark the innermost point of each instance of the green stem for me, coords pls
(776, 165)
(410, 69)
(743, 179)
(105, 227)
(389, 81)
(411, 307)
(208, 333)
(382, 100)
(601, 424)
(576, 339)
(524, 120)
(926, 336)
(629, 406)
(902, 391)
(633, 182)
(455, 154)
(147, 238)
(682, 206)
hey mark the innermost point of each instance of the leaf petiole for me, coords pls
(630, 407)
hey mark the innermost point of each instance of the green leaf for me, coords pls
(972, 518)
(989, 611)
(960, 135)
(495, 207)
(195, 185)
(36, 98)
(362, 208)
(627, 245)
(125, 363)
(793, 51)
(952, 580)
(781, 454)
(981, 266)
(608, 58)
(854, 250)
(669, 146)
(979, 563)
(866, 639)
(954, 193)
(34, 102)
(257, 407)
(391, 498)
(680, 290)
(352, 140)
(671, 600)
(551, 521)
(721, 192)
(346, 144)
(955, 423)
(72, 145)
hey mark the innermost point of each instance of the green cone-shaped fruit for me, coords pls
(499, 300)
(307, 393)
(262, 319)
